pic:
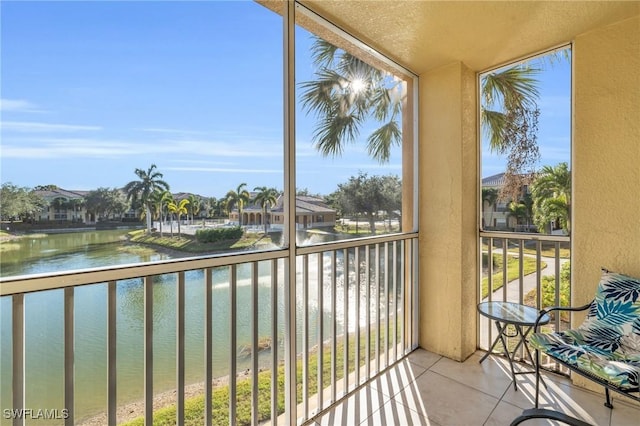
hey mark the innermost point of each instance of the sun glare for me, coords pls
(358, 85)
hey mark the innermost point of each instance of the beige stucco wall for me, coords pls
(448, 220)
(606, 155)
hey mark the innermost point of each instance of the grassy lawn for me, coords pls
(189, 244)
(529, 267)
(194, 407)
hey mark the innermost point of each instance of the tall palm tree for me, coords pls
(266, 198)
(551, 193)
(348, 91)
(194, 206)
(178, 208)
(148, 182)
(238, 198)
(160, 199)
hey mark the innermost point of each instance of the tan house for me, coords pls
(63, 205)
(311, 212)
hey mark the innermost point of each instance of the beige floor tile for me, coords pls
(395, 413)
(355, 409)
(423, 358)
(504, 414)
(446, 401)
(397, 378)
(493, 376)
(625, 414)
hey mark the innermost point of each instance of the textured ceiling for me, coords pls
(423, 35)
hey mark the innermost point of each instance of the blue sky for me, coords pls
(92, 90)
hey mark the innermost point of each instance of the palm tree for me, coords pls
(518, 211)
(348, 91)
(266, 198)
(194, 206)
(551, 193)
(179, 208)
(489, 196)
(504, 92)
(159, 200)
(238, 198)
(149, 182)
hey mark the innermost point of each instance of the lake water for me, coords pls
(44, 312)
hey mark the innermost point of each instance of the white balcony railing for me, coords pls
(355, 315)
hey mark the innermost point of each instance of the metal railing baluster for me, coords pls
(69, 384)
(148, 350)
(320, 320)
(180, 383)
(254, 344)
(18, 341)
(112, 377)
(345, 329)
(274, 340)
(208, 345)
(356, 267)
(233, 343)
(334, 327)
(305, 336)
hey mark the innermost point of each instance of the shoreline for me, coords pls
(132, 410)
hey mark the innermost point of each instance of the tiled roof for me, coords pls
(495, 180)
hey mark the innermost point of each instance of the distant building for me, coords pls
(497, 215)
(62, 205)
(311, 212)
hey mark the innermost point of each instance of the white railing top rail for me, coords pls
(525, 236)
(72, 278)
(359, 242)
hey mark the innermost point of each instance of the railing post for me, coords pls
(148, 351)
(112, 377)
(18, 355)
(180, 350)
(69, 355)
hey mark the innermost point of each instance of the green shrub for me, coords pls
(218, 234)
(549, 291)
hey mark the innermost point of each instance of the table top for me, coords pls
(511, 313)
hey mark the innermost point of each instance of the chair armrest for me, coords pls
(542, 413)
(545, 311)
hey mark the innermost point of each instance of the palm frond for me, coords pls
(323, 52)
(514, 86)
(334, 131)
(382, 139)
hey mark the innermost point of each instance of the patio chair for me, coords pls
(605, 348)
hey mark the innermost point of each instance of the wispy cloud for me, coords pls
(18, 105)
(33, 147)
(224, 170)
(66, 148)
(38, 127)
(171, 131)
(364, 166)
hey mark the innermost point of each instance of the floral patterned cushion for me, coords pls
(607, 344)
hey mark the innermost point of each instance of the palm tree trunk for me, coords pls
(148, 218)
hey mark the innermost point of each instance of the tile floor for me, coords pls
(427, 389)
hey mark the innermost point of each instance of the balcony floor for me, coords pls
(427, 389)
